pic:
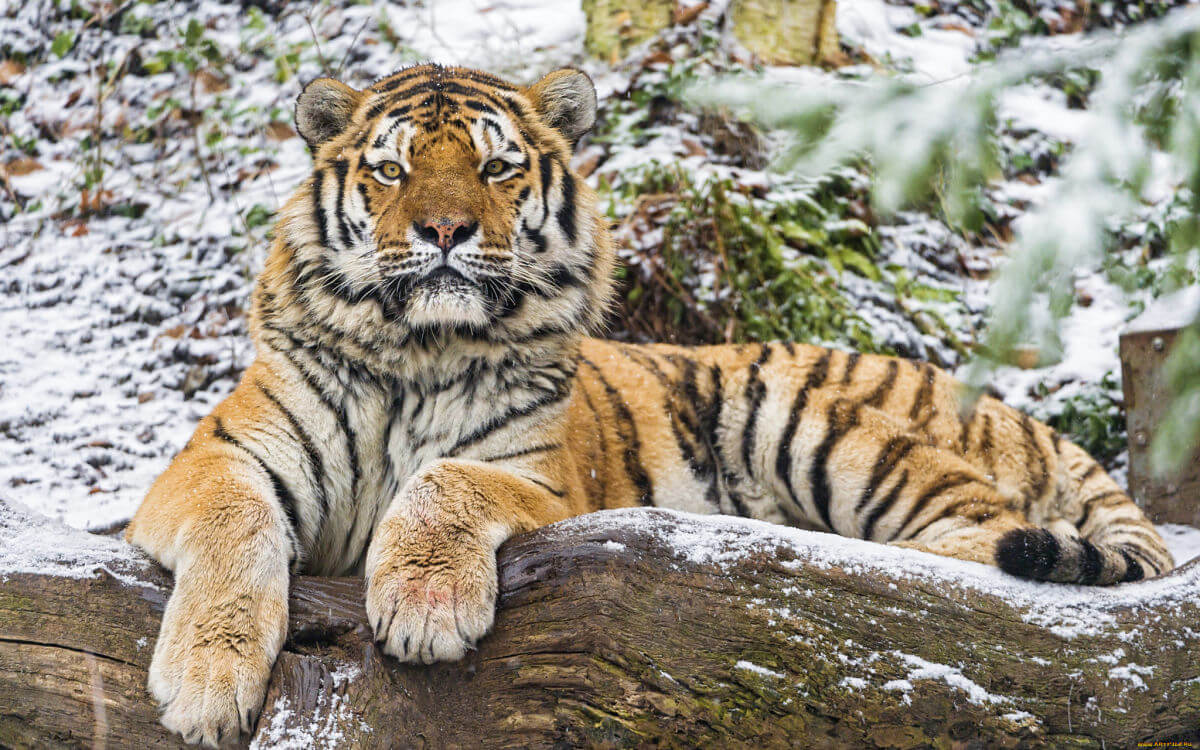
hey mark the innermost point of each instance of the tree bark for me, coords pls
(648, 627)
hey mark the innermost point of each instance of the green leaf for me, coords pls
(191, 36)
(62, 43)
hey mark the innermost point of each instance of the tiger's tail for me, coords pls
(1113, 541)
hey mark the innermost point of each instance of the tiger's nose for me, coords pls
(445, 233)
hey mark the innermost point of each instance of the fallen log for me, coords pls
(636, 627)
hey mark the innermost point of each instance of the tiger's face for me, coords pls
(442, 198)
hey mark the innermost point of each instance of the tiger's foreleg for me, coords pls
(431, 566)
(212, 519)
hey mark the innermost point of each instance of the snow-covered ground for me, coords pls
(126, 270)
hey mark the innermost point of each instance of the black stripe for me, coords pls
(566, 211)
(477, 106)
(924, 393)
(319, 208)
(842, 417)
(892, 454)
(537, 238)
(1032, 451)
(341, 168)
(756, 391)
(548, 488)
(712, 422)
(1133, 569)
(545, 170)
(562, 389)
(683, 431)
(338, 410)
(986, 446)
(1092, 564)
(851, 365)
(880, 394)
(948, 482)
(632, 448)
(1090, 505)
(783, 459)
(282, 495)
(884, 506)
(316, 466)
(698, 418)
(540, 448)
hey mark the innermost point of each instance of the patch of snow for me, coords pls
(1176, 310)
(874, 26)
(952, 676)
(289, 730)
(752, 667)
(32, 543)
(1183, 541)
(1131, 673)
(1041, 108)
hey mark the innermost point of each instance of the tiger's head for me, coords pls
(442, 203)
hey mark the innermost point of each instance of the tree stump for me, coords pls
(631, 628)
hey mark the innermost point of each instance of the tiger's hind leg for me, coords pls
(1083, 527)
(859, 471)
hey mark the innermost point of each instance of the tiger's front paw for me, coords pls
(427, 607)
(210, 670)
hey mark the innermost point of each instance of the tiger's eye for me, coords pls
(390, 170)
(494, 167)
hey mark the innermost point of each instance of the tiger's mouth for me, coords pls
(444, 278)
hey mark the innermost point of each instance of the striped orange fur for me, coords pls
(425, 388)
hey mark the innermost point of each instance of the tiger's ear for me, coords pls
(566, 99)
(324, 109)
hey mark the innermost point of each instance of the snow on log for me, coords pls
(636, 627)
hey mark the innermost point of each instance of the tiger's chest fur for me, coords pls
(388, 428)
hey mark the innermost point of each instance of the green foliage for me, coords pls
(258, 215)
(1093, 418)
(746, 269)
(62, 44)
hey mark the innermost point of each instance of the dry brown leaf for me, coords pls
(1027, 358)
(660, 56)
(280, 131)
(21, 166)
(211, 83)
(684, 16)
(9, 71)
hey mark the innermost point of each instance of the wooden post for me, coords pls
(1145, 345)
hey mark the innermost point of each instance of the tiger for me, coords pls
(426, 385)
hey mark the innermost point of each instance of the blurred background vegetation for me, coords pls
(991, 185)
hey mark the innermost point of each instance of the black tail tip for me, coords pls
(1133, 569)
(1028, 553)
